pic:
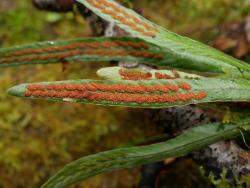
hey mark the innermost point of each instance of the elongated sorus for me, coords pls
(185, 86)
(93, 86)
(119, 97)
(134, 75)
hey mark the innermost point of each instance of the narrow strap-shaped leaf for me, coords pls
(87, 49)
(120, 73)
(188, 54)
(144, 94)
(189, 141)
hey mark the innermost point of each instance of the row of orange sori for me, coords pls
(134, 75)
(89, 44)
(122, 88)
(98, 52)
(124, 17)
(120, 97)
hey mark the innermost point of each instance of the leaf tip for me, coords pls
(17, 90)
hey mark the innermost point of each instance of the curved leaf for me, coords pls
(189, 141)
(86, 49)
(183, 52)
(144, 94)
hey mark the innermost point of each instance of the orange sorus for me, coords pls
(185, 86)
(201, 95)
(166, 88)
(93, 86)
(160, 76)
(133, 75)
(118, 97)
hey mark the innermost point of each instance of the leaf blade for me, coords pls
(189, 141)
(183, 52)
(144, 94)
(83, 49)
